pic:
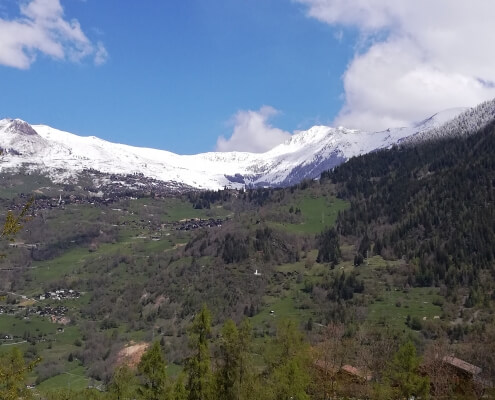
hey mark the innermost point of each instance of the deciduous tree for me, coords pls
(13, 371)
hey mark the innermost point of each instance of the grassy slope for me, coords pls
(317, 213)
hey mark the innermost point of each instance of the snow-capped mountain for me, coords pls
(63, 156)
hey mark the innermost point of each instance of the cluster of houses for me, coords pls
(8, 310)
(60, 294)
(47, 311)
(56, 314)
(196, 223)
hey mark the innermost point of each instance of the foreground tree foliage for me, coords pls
(153, 370)
(123, 384)
(13, 371)
(14, 223)
(288, 360)
(233, 365)
(290, 369)
(199, 384)
(403, 374)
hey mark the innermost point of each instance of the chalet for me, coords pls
(346, 373)
(462, 367)
(24, 245)
(468, 372)
(355, 374)
(354, 380)
(464, 377)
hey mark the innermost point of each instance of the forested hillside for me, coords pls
(432, 204)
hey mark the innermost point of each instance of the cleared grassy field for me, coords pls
(18, 327)
(174, 209)
(393, 307)
(317, 213)
(72, 379)
(283, 308)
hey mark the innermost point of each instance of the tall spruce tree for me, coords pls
(123, 383)
(153, 369)
(287, 364)
(199, 384)
(328, 246)
(179, 392)
(228, 371)
(403, 374)
(234, 377)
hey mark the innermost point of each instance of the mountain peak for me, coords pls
(18, 126)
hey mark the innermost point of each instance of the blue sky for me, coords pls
(179, 75)
(177, 72)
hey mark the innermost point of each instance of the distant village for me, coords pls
(196, 223)
(55, 313)
(60, 294)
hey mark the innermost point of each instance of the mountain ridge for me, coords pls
(63, 156)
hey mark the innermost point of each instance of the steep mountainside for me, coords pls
(432, 203)
(64, 156)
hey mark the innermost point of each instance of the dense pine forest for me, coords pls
(432, 203)
(375, 281)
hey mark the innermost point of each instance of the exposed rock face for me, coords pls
(20, 127)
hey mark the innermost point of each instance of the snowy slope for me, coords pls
(63, 156)
(461, 124)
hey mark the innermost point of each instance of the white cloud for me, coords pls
(41, 28)
(420, 57)
(252, 132)
(101, 54)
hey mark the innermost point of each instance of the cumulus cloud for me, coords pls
(418, 57)
(42, 28)
(252, 132)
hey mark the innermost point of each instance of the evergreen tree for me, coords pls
(328, 246)
(403, 374)
(247, 381)
(287, 364)
(122, 385)
(199, 384)
(234, 376)
(179, 392)
(227, 375)
(153, 369)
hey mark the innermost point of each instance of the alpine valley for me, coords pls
(338, 265)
